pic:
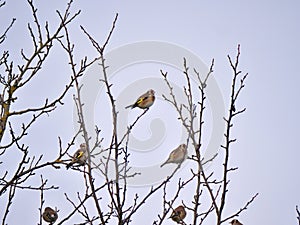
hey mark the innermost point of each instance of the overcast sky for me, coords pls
(267, 150)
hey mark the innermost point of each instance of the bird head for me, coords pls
(235, 222)
(151, 92)
(183, 146)
(83, 145)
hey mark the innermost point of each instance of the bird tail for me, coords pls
(129, 106)
(164, 163)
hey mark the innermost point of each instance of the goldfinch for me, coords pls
(79, 157)
(50, 215)
(178, 214)
(177, 156)
(144, 101)
(235, 222)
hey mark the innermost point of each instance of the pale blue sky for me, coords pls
(267, 151)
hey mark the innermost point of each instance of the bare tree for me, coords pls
(188, 113)
(14, 78)
(117, 207)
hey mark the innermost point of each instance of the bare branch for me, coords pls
(298, 214)
(3, 36)
(241, 209)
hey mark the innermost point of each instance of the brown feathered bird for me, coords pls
(50, 215)
(144, 101)
(177, 156)
(79, 157)
(178, 214)
(235, 222)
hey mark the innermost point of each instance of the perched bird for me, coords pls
(50, 215)
(235, 222)
(79, 157)
(144, 101)
(177, 156)
(178, 214)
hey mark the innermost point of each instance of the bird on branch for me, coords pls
(144, 101)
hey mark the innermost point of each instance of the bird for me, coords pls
(235, 222)
(50, 215)
(178, 214)
(79, 157)
(178, 155)
(144, 101)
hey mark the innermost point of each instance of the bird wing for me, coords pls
(79, 154)
(178, 155)
(141, 99)
(174, 154)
